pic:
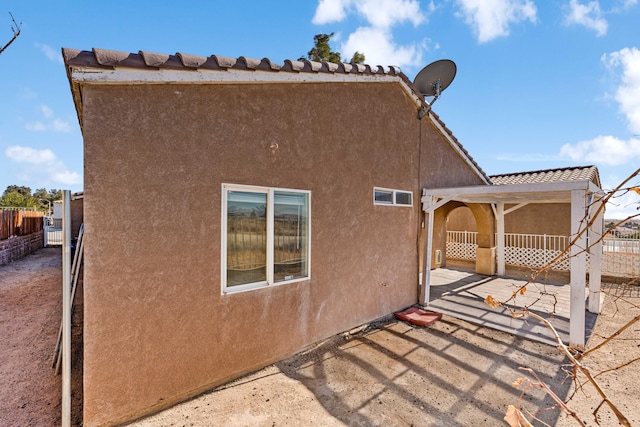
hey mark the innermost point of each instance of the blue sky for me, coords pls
(540, 84)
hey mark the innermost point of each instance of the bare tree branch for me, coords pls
(16, 32)
(583, 369)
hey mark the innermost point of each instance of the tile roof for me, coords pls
(576, 173)
(110, 59)
(103, 58)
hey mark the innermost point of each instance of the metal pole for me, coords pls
(66, 310)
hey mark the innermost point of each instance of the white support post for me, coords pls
(595, 258)
(500, 256)
(66, 309)
(578, 271)
(425, 290)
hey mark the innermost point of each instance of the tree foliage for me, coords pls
(321, 51)
(19, 196)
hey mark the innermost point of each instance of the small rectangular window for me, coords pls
(404, 198)
(265, 236)
(385, 196)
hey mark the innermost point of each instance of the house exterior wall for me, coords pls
(157, 328)
(77, 213)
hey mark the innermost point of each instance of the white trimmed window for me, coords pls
(265, 236)
(389, 197)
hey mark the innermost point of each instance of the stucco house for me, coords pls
(237, 211)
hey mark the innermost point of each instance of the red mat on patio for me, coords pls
(418, 316)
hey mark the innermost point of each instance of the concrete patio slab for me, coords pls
(461, 294)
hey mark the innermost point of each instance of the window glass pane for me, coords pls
(383, 196)
(403, 198)
(290, 236)
(246, 237)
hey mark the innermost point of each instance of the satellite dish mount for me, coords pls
(432, 80)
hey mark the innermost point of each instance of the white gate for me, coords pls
(52, 231)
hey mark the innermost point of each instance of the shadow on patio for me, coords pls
(451, 374)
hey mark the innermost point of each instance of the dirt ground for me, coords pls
(451, 374)
(30, 313)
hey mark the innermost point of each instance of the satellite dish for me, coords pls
(433, 79)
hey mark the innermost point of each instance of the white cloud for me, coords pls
(624, 203)
(378, 13)
(30, 155)
(603, 150)
(491, 19)
(50, 53)
(329, 11)
(588, 15)
(52, 124)
(48, 112)
(66, 177)
(379, 49)
(42, 165)
(627, 94)
(36, 126)
(59, 125)
(376, 39)
(384, 14)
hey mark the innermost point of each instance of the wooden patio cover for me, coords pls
(583, 195)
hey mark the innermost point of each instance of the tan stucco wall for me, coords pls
(77, 214)
(157, 328)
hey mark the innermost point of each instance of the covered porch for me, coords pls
(496, 201)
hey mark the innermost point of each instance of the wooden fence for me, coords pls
(19, 223)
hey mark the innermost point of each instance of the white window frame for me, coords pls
(269, 191)
(394, 199)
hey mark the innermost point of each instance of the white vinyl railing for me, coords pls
(462, 244)
(621, 257)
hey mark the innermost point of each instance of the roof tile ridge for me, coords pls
(247, 63)
(224, 62)
(329, 67)
(152, 59)
(311, 66)
(109, 57)
(343, 67)
(191, 61)
(267, 64)
(161, 60)
(86, 58)
(292, 66)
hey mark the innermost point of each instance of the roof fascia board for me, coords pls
(457, 149)
(163, 76)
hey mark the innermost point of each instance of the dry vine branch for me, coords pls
(615, 334)
(559, 402)
(16, 32)
(582, 368)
